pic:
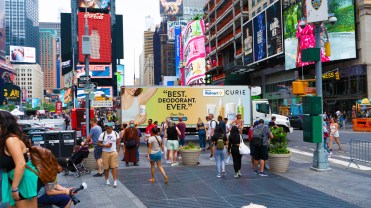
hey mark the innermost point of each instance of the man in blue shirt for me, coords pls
(94, 134)
(260, 153)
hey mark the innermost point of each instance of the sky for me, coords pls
(134, 13)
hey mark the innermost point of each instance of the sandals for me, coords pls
(151, 180)
(166, 180)
(340, 148)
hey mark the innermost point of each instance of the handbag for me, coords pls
(243, 148)
(131, 143)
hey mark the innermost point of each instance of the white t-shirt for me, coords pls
(155, 146)
(109, 138)
(212, 125)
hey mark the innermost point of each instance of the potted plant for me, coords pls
(279, 154)
(190, 154)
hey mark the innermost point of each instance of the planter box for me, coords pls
(190, 157)
(90, 161)
(279, 163)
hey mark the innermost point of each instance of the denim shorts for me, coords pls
(60, 200)
(156, 156)
(97, 152)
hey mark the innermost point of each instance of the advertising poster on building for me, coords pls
(260, 37)
(171, 28)
(274, 29)
(248, 48)
(68, 79)
(95, 71)
(120, 76)
(102, 93)
(177, 50)
(35, 102)
(67, 96)
(58, 108)
(94, 5)
(100, 36)
(171, 7)
(7, 76)
(20, 54)
(340, 36)
(190, 103)
(194, 53)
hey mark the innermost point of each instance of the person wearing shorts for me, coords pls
(109, 140)
(93, 136)
(260, 153)
(155, 149)
(172, 134)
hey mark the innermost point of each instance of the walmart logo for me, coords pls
(213, 92)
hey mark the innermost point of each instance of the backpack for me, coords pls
(220, 143)
(257, 136)
(45, 163)
(216, 124)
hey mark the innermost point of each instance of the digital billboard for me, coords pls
(171, 7)
(7, 76)
(100, 36)
(340, 36)
(95, 71)
(94, 5)
(102, 93)
(20, 54)
(262, 36)
(120, 76)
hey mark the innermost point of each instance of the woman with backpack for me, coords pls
(20, 190)
(219, 140)
(155, 149)
(233, 148)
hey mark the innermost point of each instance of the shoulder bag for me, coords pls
(243, 148)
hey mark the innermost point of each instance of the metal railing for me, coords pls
(359, 151)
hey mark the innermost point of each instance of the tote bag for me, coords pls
(244, 150)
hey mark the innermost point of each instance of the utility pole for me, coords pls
(87, 102)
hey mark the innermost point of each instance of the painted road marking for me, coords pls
(332, 160)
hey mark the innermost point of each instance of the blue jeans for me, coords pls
(220, 156)
(325, 145)
(202, 139)
(137, 152)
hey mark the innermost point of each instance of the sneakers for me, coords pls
(219, 176)
(174, 164)
(236, 175)
(239, 173)
(168, 162)
(114, 184)
(256, 172)
(263, 174)
(98, 175)
(330, 154)
(108, 183)
(224, 174)
(211, 157)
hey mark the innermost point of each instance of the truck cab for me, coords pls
(261, 110)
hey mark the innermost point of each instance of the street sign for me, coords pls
(83, 85)
(102, 104)
(90, 87)
(84, 78)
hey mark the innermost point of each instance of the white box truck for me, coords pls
(140, 103)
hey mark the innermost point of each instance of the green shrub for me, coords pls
(190, 146)
(278, 145)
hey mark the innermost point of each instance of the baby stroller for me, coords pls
(74, 163)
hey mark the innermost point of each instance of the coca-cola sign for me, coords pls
(90, 15)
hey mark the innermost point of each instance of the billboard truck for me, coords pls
(158, 103)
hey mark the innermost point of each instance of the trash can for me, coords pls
(52, 139)
(37, 138)
(67, 142)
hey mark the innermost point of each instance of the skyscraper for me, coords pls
(22, 24)
(2, 30)
(48, 58)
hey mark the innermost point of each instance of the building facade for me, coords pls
(31, 78)
(48, 58)
(2, 31)
(148, 75)
(22, 24)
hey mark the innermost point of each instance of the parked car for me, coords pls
(296, 122)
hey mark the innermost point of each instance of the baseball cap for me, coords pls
(109, 124)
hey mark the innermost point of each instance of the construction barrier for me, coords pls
(359, 151)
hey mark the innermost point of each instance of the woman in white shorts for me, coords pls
(334, 133)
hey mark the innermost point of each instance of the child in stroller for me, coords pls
(74, 163)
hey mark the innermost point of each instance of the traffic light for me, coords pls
(298, 88)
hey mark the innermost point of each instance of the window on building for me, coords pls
(271, 1)
(265, 5)
(259, 9)
(253, 14)
(253, 3)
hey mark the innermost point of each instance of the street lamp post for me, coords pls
(87, 104)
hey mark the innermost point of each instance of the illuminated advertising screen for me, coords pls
(171, 7)
(248, 48)
(177, 50)
(12, 92)
(102, 93)
(95, 71)
(7, 76)
(120, 76)
(20, 54)
(262, 36)
(100, 36)
(340, 36)
(94, 5)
